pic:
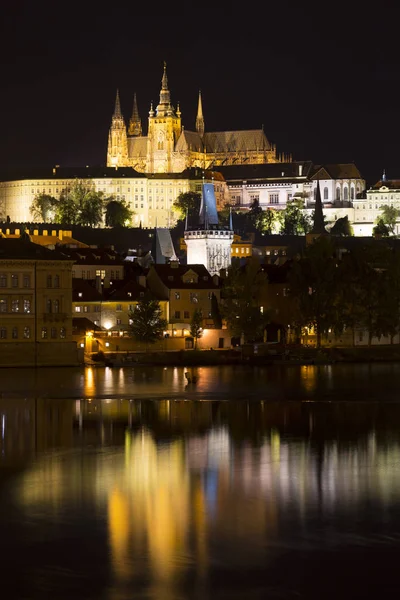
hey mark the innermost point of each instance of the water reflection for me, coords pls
(184, 495)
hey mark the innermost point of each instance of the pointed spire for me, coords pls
(151, 111)
(384, 175)
(318, 226)
(164, 107)
(135, 124)
(200, 118)
(117, 110)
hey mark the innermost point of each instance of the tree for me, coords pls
(43, 207)
(380, 229)
(81, 204)
(389, 217)
(215, 312)
(146, 321)
(241, 293)
(118, 213)
(269, 220)
(312, 282)
(196, 326)
(293, 220)
(342, 227)
(187, 202)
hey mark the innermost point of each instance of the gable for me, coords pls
(322, 173)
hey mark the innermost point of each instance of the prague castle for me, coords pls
(169, 148)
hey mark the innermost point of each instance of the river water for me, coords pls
(274, 482)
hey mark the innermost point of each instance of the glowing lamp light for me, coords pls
(107, 325)
(107, 344)
(82, 345)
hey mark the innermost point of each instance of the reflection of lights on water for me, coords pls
(89, 386)
(3, 425)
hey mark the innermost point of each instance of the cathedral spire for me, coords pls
(200, 118)
(117, 111)
(318, 226)
(135, 124)
(164, 108)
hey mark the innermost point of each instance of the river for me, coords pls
(273, 482)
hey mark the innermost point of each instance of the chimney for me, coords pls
(300, 170)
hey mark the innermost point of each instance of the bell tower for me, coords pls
(117, 151)
(207, 243)
(164, 131)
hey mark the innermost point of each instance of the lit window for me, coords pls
(3, 305)
(3, 333)
(62, 333)
(27, 305)
(44, 333)
(15, 305)
(27, 332)
(56, 306)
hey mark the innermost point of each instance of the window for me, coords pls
(274, 198)
(56, 281)
(3, 333)
(44, 333)
(119, 321)
(325, 193)
(100, 273)
(27, 332)
(53, 333)
(346, 193)
(78, 308)
(14, 333)
(83, 274)
(210, 295)
(177, 295)
(56, 306)
(63, 333)
(86, 309)
(3, 280)
(118, 307)
(194, 297)
(48, 305)
(177, 314)
(15, 305)
(351, 193)
(49, 281)
(14, 280)
(26, 282)
(186, 314)
(27, 305)
(3, 305)
(96, 308)
(338, 193)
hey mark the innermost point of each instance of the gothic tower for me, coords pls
(164, 131)
(135, 124)
(117, 151)
(200, 118)
(207, 243)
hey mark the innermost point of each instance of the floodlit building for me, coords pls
(168, 147)
(35, 305)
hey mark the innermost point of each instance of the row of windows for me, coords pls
(186, 314)
(53, 281)
(26, 333)
(193, 296)
(99, 273)
(87, 309)
(15, 279)
(15, 305)
(242, 250)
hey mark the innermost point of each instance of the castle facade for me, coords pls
(170, 148)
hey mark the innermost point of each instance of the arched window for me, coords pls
(338, 193)
(48, 306)
(346, 193)
(325, 193)
(49, 281)
(56, 281)
(56, 306)
(351, 193)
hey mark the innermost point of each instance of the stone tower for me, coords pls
(207, 243)
(200, 118)
(164, 131)
(117, 151)
(135, 124)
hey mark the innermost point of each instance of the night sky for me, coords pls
(322, 80)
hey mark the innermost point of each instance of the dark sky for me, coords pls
(323, 80)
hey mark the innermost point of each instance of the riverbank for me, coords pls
(257, 356)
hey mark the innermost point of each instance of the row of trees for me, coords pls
(81, 204)
(361, 290)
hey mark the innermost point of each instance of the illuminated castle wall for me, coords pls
(170, 148)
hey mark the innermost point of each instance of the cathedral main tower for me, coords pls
(164, 131)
